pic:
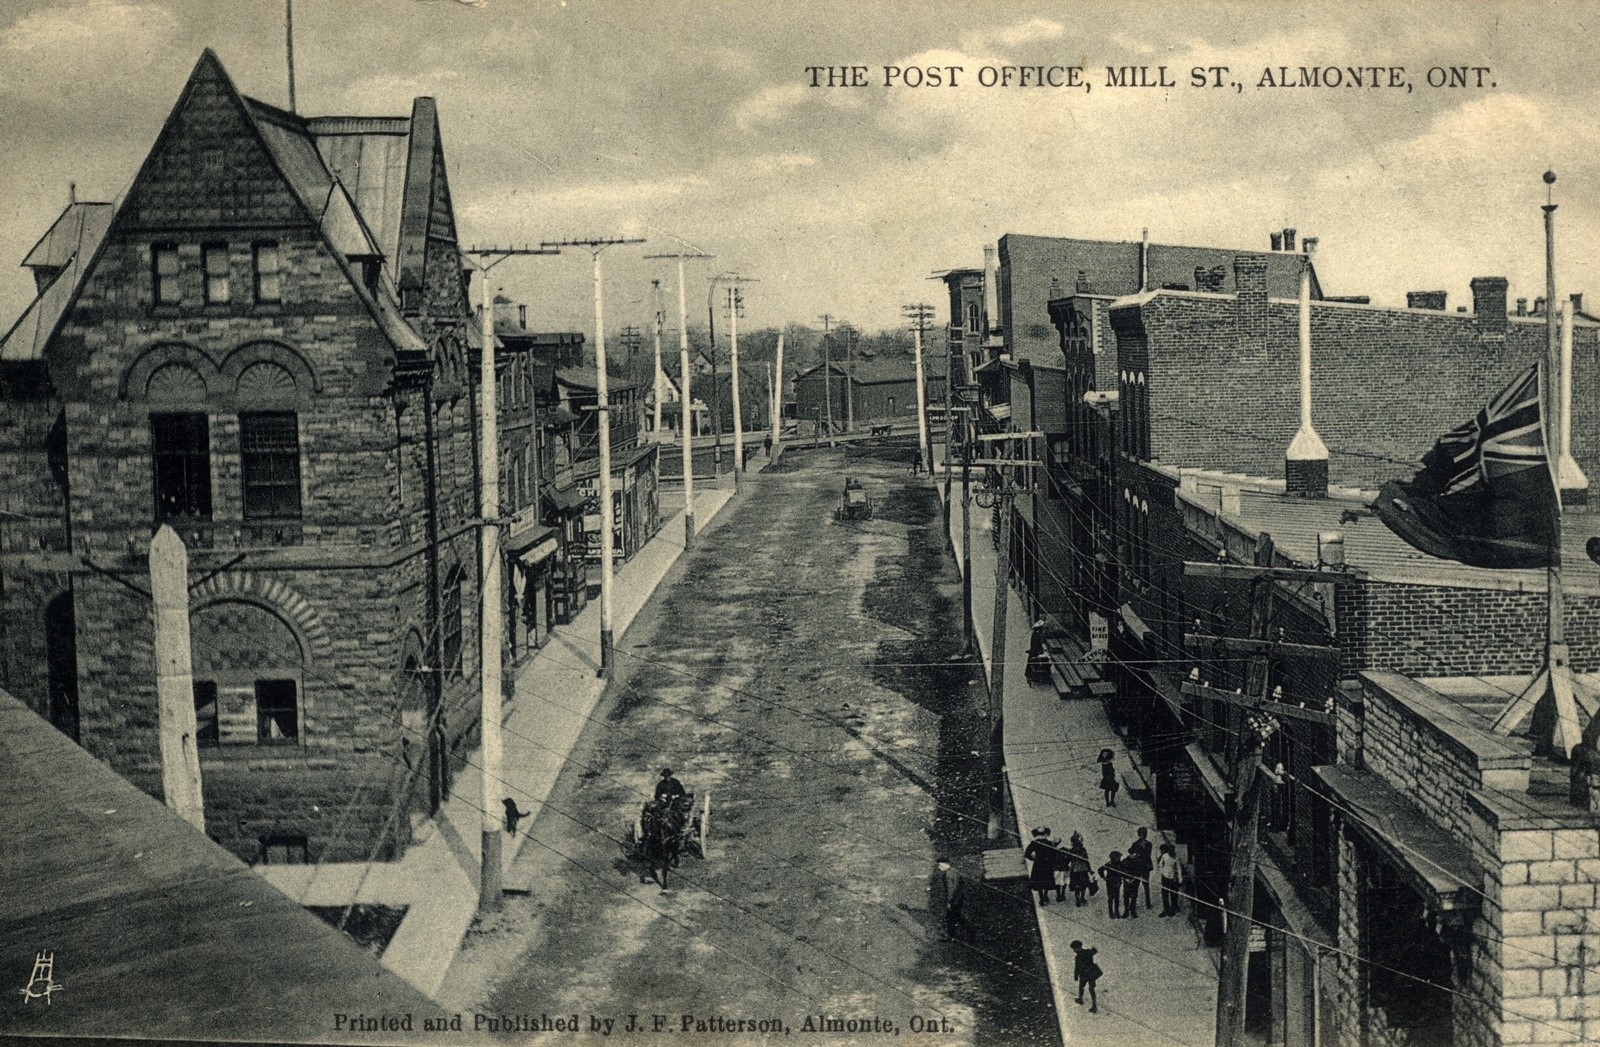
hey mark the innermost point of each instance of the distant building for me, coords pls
(877, 389)
(267, 345)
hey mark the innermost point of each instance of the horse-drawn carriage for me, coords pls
(665, 829)
(855, 503)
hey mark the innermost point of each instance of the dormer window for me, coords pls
(371, 267)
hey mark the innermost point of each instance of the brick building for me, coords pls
(1408, 839)
(1407, 832)
(267, 345)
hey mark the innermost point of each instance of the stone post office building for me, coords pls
(266, 344)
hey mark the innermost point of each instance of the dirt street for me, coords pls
(807, 673)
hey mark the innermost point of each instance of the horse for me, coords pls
(661, 836)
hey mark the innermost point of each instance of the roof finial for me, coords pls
(72, 192)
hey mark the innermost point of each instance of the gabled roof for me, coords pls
(68, 245)
(292, 149)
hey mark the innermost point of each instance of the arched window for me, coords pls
(972, 318)
(61, 661)
(450, 612)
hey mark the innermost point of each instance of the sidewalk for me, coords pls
(555, 692)
(1159, 984)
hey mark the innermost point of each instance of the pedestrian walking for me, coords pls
(1080, 875)
(947, 899)
(1108, 777)
(1038, 670)
(1140, 863)
(1086, 973)
(1042, 873)
(513, 816)
(1111, 873)
(1170, 869)
(1061, 863)
(767, 445)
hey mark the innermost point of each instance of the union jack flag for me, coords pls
(1506, 436)
(1486, 494)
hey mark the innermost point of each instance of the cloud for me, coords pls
(57, 48)
(1031, 31)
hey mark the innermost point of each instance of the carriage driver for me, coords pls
(668, 787)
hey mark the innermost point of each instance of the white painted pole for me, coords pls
(1574, 485)
(1306, 445)
(660, 380)
(685, 393)
(490, 625)
(180, 755)
(733, 356)
(603, 416)
(923, 451)
(777, 400)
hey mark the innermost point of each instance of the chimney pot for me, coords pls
(1288, 239)
(1083, 282)
(1538, 305)
(1522, 307)
(1577, 301)
(1277, 241)
(1310, 244)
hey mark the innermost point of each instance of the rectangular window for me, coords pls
(269, 282)
(214, 263)
(164, 273)
(205, 713)
(277, 712)
(180, 447)
(269, 457)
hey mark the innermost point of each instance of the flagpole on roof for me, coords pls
(288, 32)
(1552, 697)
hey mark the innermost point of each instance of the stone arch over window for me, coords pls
(171, 373)
(249, 676)
(311, 632)
(262, 373)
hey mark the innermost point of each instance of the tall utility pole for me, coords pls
(777, 403)
(1260, 715)
(661, 318)
(491, 627)
(735, 306)
(827, 374)
(685, 395)
(849, 333)
(919, 315)
(603, 415)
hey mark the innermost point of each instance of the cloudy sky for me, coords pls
(695, 124)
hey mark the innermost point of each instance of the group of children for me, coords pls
(1056, 869)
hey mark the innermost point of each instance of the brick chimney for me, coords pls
(1250, 304)
(1577, 301)
(1489, 302)
(1426, 300)
(1522, 307)
(1288, 239)
(1277, 241)
(1082, 286)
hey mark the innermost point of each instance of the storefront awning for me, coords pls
(1433, 860)
(999, 412)
(524, 544)
(562, 501)
(1135, 624)
(1217, 786)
